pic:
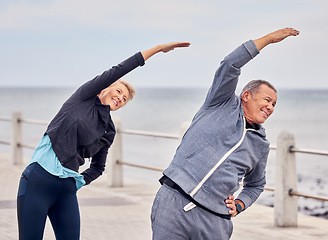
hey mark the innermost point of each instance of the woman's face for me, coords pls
(116, 96)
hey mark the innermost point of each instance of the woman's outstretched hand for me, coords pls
(163, 48)
(171, 46)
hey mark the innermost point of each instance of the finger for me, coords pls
(293, 31)
(230, 206)
(182, 44)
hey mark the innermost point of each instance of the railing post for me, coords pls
(115, 154)
(16, 138)
(285, 205)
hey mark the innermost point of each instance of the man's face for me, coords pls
(260, 106)
(116, 96)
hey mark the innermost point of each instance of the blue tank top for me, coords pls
(46, 157)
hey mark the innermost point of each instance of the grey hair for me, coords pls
(254, 85)
(131, 89)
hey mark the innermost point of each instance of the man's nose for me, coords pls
(271, 108)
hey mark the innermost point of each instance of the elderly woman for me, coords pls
(82, 128)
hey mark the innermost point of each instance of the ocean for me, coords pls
(301, 112)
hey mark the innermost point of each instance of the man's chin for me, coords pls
(261, 122)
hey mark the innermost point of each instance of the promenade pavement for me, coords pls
(123, 213)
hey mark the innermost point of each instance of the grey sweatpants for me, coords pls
(170, 221)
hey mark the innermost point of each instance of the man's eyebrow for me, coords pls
(270, 98)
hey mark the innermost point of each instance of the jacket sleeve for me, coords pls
(226, 77)
(93, 87)
(97, 166)
(253, 183)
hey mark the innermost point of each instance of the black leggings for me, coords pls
(41, 194)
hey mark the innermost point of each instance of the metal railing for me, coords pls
(285, 184)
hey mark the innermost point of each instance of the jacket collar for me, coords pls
(256, 127)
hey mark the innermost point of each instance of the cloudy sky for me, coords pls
(67, 42)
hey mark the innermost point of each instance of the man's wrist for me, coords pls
(239, 208)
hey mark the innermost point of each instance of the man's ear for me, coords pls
(246, 95)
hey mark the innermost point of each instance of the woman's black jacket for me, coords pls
(83, 127)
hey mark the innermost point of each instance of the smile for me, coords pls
(115, 102)
(265, 114)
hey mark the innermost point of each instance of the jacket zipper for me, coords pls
(191, 205)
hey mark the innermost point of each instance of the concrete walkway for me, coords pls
(123, 213)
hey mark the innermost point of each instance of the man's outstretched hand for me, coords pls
(281, 34)
(275, 37)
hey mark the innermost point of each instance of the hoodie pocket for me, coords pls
(194, 150)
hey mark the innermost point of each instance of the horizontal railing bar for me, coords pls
(33, 121)
(7, 119)
(300, 194)
(149, 134)
(5, 142)
(271, 189)
(309, 151)
(27, 146)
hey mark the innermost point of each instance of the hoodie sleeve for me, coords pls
(253, 183)
(97, 166)
(226, 77)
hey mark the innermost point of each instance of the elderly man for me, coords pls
(224, 145)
